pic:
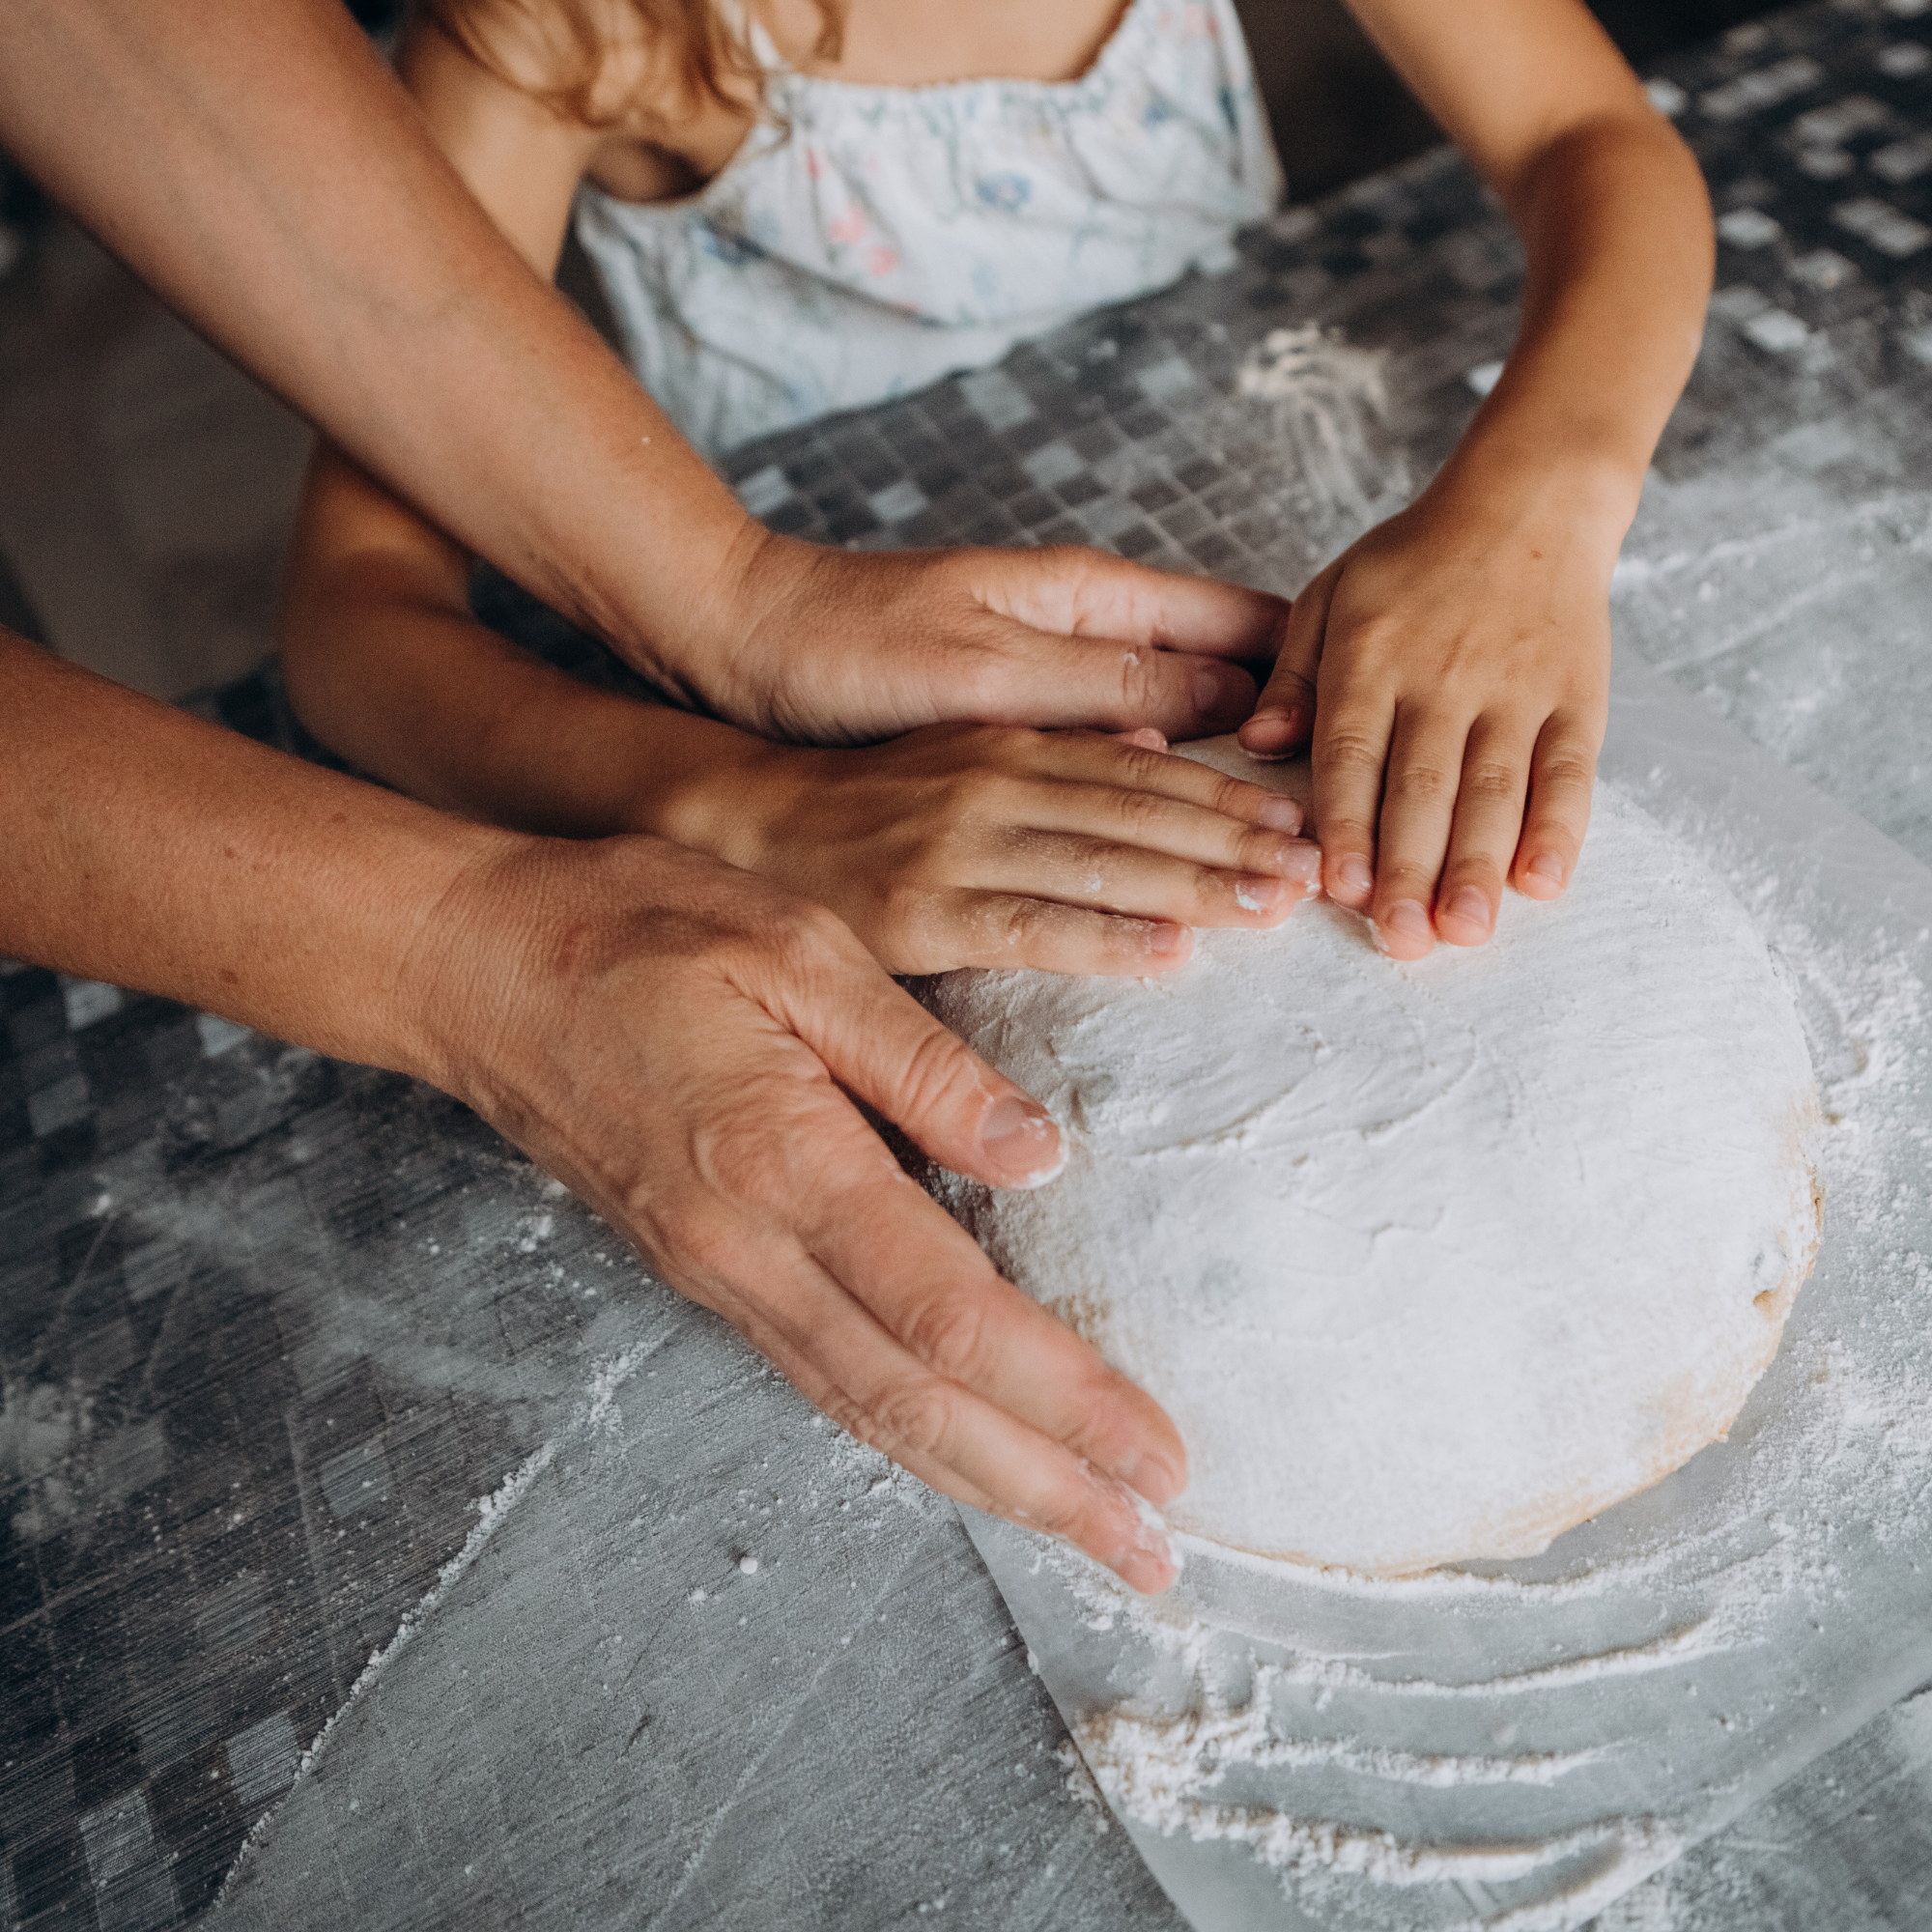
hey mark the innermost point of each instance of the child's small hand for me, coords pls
(993, 845)
(1452, 668)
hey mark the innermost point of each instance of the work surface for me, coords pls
(327, 1421)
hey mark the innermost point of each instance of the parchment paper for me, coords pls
(1516, 1747)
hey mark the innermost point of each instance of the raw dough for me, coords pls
(1428, 1262)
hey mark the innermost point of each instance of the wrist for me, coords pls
(679, 612)
(1586, 497)
(706, 786)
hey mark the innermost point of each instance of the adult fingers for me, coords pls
(1284, 715)
(1093, 639)
(1489, 818)
(1425, 766)
(880, 1043)
(845, 1358)
(1087, 593)
(887, 1313)
(1562, 776)
(1036, 677)
(926, 1281)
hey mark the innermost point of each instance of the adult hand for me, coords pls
(835, 648)
(676, 1040)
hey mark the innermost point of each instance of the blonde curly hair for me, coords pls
(578, 45)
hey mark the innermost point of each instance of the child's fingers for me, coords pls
(1351, 753)
(1164, 826)
(1489, 818)
(1081, 871)
(1004, 930)
(1562, 773)
(1148, 772)
(1425, 769)
(1284, 715)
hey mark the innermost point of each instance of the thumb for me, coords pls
(1284, 718)
(878, 1042)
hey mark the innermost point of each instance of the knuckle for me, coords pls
(1566, 771)
(806, 935)
(1355, 751)
(1231, 797)
(1139, 679)
(937, 1070)
(913, 1419)
(948, 1333)
(1427, 783)
(698, 1248)
(1139, 812)
(1404, 879)
(1492, 782)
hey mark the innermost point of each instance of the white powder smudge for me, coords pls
(1196, 1750)
(596, 1415)
(1326, 406)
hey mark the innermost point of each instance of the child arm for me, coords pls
(1451, 668)
(957, 844)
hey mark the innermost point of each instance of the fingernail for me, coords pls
(1269, 734)
(1470, 905)
(1406, 919)
(1550, 865)
(1019, 1135)
(1259, 894)
(1302, 861)
(1219, 689)
(1166, 939)
(1355, 875)
(1150, 1562)
(1152, 1476)
(1141, 1570)
(1281, 814)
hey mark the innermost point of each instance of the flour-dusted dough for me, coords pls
(1427, 1261)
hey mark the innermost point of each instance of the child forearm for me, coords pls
(385, 666)
(1617, 229)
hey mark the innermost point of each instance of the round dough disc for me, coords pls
(1428, 1262)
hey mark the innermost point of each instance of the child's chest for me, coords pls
(883, 44)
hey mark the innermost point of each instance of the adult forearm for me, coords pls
(259, 167)
(153, 850)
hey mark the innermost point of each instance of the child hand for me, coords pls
(993, 845)
(1453, 668)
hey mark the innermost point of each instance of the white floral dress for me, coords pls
(876, 238)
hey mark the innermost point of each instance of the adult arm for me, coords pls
(1453, 666)
(675, 1039)
(259, 168)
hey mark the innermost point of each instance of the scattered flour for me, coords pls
(1427, 1263)
(1259, 1704)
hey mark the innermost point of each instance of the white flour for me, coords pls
(1589, 1712)
(1431, 1262)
